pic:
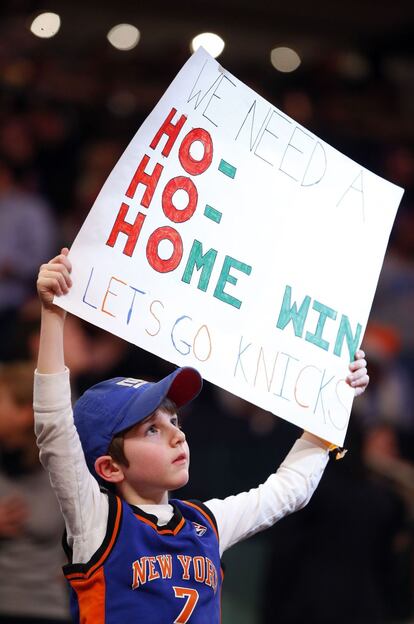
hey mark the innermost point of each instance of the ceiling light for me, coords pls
(285, 59)
(45, 25)
(123, 36)
(210, 42)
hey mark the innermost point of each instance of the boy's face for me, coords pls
(158, 457)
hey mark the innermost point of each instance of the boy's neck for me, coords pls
(132, 497)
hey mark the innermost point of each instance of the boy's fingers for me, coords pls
(62, 259)
(359, 354)
(63, 270)
(53, 282)
(359, 372)
(55, 259)
(357, 377)
(51, 285)
(43, 267)
(54, 278)
(62, 282)
(55, 270)
(357, 364)
(361, 388)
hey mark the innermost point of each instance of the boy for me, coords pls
(134, 555)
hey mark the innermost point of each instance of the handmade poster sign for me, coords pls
(230, 238)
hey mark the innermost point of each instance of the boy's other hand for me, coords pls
(358, 377)
(54, 278)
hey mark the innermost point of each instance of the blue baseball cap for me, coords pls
(112, 406)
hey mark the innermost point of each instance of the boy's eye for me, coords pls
(152, 429)
(175, 422)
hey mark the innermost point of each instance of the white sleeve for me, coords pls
(83, 505)
(289, 489)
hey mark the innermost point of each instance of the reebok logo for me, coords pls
(199, 528)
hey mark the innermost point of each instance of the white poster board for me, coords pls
(230, 238)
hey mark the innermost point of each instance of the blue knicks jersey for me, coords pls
(145, 574)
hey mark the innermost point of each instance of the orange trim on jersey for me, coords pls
(207, 517)
(91, 598)
(221, 592)
(85, 575)
(161, 531)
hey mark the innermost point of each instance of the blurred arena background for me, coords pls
(71, 100)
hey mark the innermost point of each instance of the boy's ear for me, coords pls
(108, 469)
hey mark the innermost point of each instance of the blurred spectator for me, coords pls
(31, 590)
(56, 135)
(89, 351)
(394, 300)
(27, 237)
(390, 398)
(399, 165)
(17, 146)
(98, 158)
(337, 560)
(383, 457)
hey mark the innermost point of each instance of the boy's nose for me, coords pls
(178, 436)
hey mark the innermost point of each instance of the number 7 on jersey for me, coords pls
(192, 598)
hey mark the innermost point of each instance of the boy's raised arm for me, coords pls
(54, 279)
(60, 449)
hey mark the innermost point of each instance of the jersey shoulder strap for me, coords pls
(204, 511)
(84, 570)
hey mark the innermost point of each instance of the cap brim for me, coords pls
(181, 386)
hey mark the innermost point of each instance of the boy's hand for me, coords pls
(358, 377)
(54, 279)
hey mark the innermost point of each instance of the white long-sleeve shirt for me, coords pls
(85, 507)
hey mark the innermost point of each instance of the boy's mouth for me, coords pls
(181, 458)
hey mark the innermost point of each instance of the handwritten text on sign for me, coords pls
(223, 239)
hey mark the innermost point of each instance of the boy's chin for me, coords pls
(180, 483)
